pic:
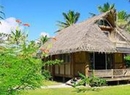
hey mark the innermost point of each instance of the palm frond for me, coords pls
(66, 18)
(92, 14)
(106, 7)
(77, 15)
(112, 6)
(69, 18)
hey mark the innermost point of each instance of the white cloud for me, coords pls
(44, 34)
(7, 25)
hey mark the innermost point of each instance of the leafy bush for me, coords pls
(127, 60)
(96, 81)
(19, 66)
(91, 81)
(18, 70)
(46, 74)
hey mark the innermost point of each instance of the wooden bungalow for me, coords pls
(95, 45)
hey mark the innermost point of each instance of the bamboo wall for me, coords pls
(63, 69)
(118, 61)
(81, 60)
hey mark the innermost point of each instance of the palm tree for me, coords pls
(43, 39)
(106, 7)
(17, 37)
(123, 19)
(40, 42)
(70, 18)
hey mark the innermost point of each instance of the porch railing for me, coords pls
(110, 73)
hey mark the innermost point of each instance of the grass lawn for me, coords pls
(47, 83)
(113, 90)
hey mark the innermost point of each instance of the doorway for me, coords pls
(100, 61)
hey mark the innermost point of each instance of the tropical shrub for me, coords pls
(96, 81)
(19, 70)
(46, 74)
(127, 60)
(19, 66)
(91, 81)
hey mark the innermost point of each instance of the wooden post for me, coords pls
(87, 70)
(93, 72)
(112, 73)
(73, 64)
(53, 67)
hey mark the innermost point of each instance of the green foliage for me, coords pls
(19, 70)
(19, 66)
(110, 90)
(52, 62)
(96, 81)
(3, 36)
(91, 81)
(46, 74)
(106, 7)
(43, 39)
(70, 18)
(123, 20)
(122, 17)
(127, 60)
(17, 36)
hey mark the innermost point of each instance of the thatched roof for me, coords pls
(125, 34)
(84, 36)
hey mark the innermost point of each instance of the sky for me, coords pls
(42, 15)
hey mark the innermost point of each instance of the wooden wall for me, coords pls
(118, 60)
(63, 69)
(81, 60)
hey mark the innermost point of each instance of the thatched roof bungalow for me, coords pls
(97, 43)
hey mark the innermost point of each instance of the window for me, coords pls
(103, 22)
(65, 57)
